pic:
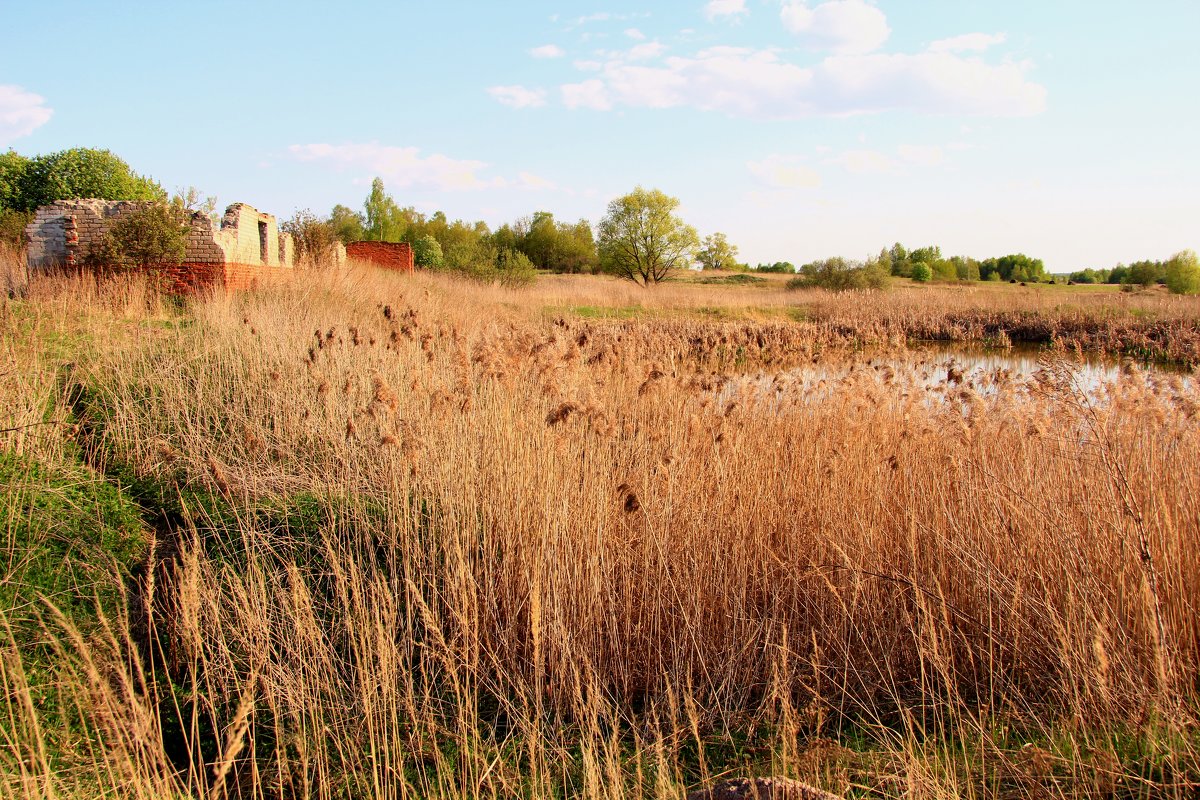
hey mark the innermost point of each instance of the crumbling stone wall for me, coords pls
(246, 248)
(389, 255)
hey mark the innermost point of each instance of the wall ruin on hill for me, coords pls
(244, 249)
(389, 255)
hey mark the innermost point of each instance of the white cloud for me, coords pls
(758, 83)
(866, 162)
(839, 26)
(547, 51)
(589, 66)
(725, 8)
(588, 94)
(921, 155)
(784, 172)
(21, 113)
(634, 33)
(968, 43)
(403, 166)
(646, 51)
(518, 96)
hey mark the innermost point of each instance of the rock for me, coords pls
(762, 789)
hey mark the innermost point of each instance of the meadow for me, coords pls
(369, 535)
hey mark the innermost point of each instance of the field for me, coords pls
(368, 535)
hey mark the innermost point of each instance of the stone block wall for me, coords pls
(389, 255)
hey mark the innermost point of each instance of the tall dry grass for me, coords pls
(458, 548)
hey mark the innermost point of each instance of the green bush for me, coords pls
(314, 238)
(840, 275)
(154, 234)
(427, 253)
(921, 272)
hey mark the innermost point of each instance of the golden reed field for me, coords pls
(401, 537)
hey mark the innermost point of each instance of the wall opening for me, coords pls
(262, 242)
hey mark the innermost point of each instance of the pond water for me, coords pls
(939, 369)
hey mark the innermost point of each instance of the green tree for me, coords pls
(1182, 273)
(79, 173)
(921, 272)
(385, 221)
(427, 253)
(13, 167)
(717, 253)
(965, 268)
(642, 239)
(1016, 267)
(1145, 273)
(347, 224)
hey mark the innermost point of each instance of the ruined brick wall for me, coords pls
(62, 233)
(389, 255)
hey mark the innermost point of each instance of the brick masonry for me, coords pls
(245, 250)
(389, 255)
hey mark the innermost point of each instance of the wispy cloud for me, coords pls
(635, 34)
(838, 26)
(760, 83)
(21, 113)
(402, 166)
(725, 8)
(548, 51)
(518, 96)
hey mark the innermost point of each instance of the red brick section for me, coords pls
(194, 276)
(389, 255)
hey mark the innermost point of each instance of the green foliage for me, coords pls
(12, 227)
(551, 245)
(348, 225)
(66, 532)
(1017, 267)
(1145, 273)
(783, 267)
(385, 220)
(717, 253)
(427, 253)
(920, 272)
(965, 268)
(642, 239)
(154, 234)
(1182, 274)
(77, 173)
(13, 168)
(315, 239)
(1088, 276)
(840, 275)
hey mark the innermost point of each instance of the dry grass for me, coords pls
(459, 545)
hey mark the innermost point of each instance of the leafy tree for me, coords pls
(642, 239)
(348, 225)
(78, 173)
(1182, 273)
(717, 253)
(920, 272)
(153, 235)
(1017, 267)
(1085, 276)
(785, 267)
(13, 167)
(428, 253)
(1117, 274)
(1145, 273)
(840, 275)
(385, 221)
(965, 268)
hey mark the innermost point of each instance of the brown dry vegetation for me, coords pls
(416, 537)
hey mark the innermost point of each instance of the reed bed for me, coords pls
(419, 538)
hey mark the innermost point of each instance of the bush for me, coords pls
(315, 238)
(427, 253)
(921, 272)
(839, 275)
(12, 228)
(155, 234)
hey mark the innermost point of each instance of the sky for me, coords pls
(1064, 129)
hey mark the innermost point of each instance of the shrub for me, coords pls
(427, 253)
(839, 275)
(12, 227)
(154, 234)
(315, 238)
(921, 272)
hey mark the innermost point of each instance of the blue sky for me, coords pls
(1061, 128)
